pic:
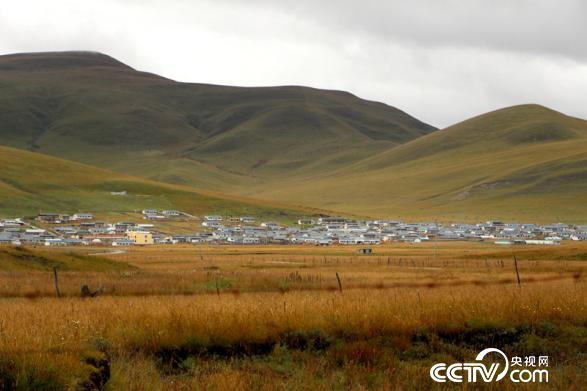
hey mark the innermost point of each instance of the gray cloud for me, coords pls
(440, 60)
(542, 27)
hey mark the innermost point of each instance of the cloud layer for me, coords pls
(440, 60)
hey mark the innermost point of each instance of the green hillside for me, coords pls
(32, 182)
(525, 162)
(22, 258)
(297, 145)
(91, 108)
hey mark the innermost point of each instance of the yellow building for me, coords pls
(140, 237)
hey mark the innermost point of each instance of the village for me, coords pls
(83, 229)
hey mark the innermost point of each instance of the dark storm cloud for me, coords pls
(440, 60)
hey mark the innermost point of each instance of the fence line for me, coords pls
(576, 277)
(435, 285)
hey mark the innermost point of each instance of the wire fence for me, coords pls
(459, 283)
(337, 284)
(570, 277)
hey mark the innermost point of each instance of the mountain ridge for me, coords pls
(319, 148)
(539, 128)
(85, 111)
(481, 168)
(43, 61)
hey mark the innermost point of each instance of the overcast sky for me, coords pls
(440, 60)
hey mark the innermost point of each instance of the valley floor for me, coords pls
(292, 317)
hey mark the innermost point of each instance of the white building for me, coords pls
(82, 216)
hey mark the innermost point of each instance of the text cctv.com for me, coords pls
(455, 373)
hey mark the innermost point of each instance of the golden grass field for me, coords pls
(272, 317)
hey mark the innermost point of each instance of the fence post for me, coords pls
(339, 283)
(517, 272)
(57, 291)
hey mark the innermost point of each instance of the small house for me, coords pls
(122, 242)
(306, 222)
(53, 218)
(82, 216)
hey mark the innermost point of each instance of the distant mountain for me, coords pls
(299, 145)
(525, 162)
(32, 182)
(92, 108)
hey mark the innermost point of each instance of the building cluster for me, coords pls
(328, 230)
(64, 230)
(82, 229)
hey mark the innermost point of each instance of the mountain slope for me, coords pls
(326, 149)
(524, 162)
(91, 108)
(32, 182)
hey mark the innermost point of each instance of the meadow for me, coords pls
(276, 317)
(33, 182)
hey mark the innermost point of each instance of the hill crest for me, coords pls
(91, 108)
(524, 162)
(51, 61)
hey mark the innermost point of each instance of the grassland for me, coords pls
(229, 317)
(17, 259)
(32, 182)
(524, 163)
(91, 108)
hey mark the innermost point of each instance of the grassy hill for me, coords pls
(22, 259)
(91, 108)
(32, 182)
(524, 162)
(303, 146)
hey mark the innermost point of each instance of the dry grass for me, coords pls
(73, 323)
(254, 335)
(186, 270)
